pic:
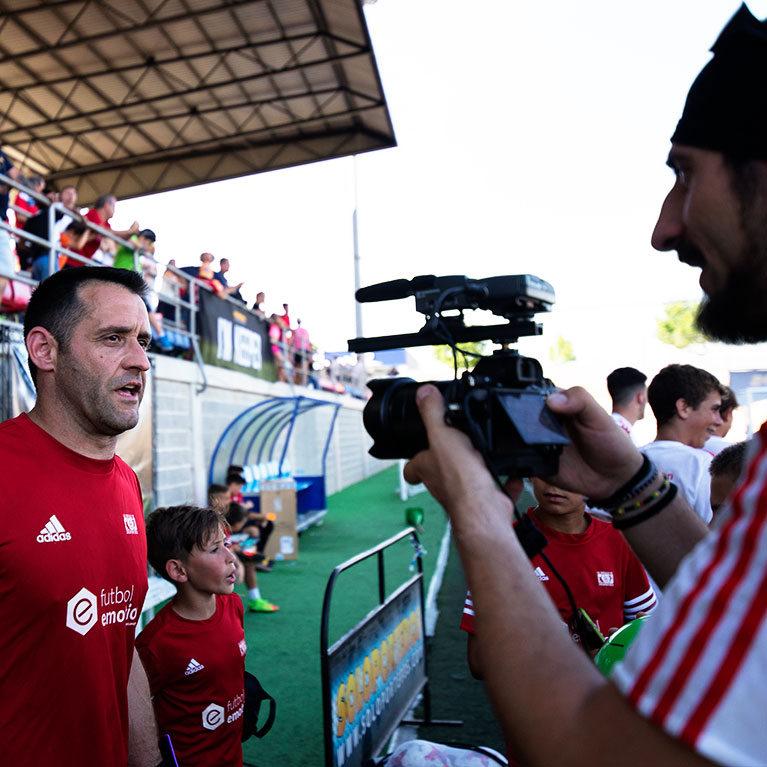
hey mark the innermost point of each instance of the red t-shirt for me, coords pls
(196, 675)
(604, 575)
(72, 583)
(92, 245)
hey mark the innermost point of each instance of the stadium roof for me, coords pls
(142, 96)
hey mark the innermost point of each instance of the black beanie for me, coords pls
(726, 108)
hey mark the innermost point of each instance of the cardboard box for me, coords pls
(278, 502)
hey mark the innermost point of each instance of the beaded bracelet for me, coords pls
(646, 475)
(621, 510)
(662, 502)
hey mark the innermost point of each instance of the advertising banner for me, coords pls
(232, 337)
(375, 671)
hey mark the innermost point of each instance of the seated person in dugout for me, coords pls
(256, 519)
(604, 576)
(237, 517)
(692, 687)
(193, 650)
(247, 527)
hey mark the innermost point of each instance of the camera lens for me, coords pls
(392, 419)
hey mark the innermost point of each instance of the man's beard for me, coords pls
(737, 313)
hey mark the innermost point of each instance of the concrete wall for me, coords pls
(188, 424)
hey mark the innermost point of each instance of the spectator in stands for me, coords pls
(277, 330)
(285, 316)
(725, 469)
(258, 306)
(27, 204)
(717, 442)
(193, 650)
(686, 402)
(37, 256)
(302, 349)
(100, 214)
(7, 266)
(172, 287)
(204, 273)
(231, 290)
(141, 259)
(629, 395)
(130, 258)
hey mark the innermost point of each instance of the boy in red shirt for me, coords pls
(604, 576)
(194, 649)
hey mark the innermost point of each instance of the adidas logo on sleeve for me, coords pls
(53, 532)
(193, 667)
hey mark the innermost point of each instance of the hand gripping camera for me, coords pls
(500, 404)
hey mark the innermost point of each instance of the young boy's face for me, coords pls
(553, 500)
(212, 568)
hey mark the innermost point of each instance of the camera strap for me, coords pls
(530, 537)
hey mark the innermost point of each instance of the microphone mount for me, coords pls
(517, 298)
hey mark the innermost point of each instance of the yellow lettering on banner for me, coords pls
(351, 699)
(393, 660)
(384, 659)
(367, 686)
(407, 640)
(375, 662)
(415, 626)
(360, 687)
(341, 710)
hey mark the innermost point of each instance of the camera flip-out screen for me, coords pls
(534, 422)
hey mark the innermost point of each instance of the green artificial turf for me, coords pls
(284, 647)
(455, 694)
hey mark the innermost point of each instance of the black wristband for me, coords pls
(634, 486)
(624, 522)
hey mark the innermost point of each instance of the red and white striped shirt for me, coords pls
(699, 668)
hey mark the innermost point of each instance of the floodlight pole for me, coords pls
(357, 304)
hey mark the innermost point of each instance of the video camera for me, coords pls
(500, 404)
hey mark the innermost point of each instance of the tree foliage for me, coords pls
(465, 361)
(677, 326)
(561, 351)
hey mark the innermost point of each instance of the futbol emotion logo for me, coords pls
(213, 716)
(82, 611)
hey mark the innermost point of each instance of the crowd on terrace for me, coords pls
(42, 230)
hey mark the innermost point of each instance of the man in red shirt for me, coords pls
(73, 564)
(103, 209)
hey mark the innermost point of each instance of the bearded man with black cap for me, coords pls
(692, 688)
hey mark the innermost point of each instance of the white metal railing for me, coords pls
(184, 320)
